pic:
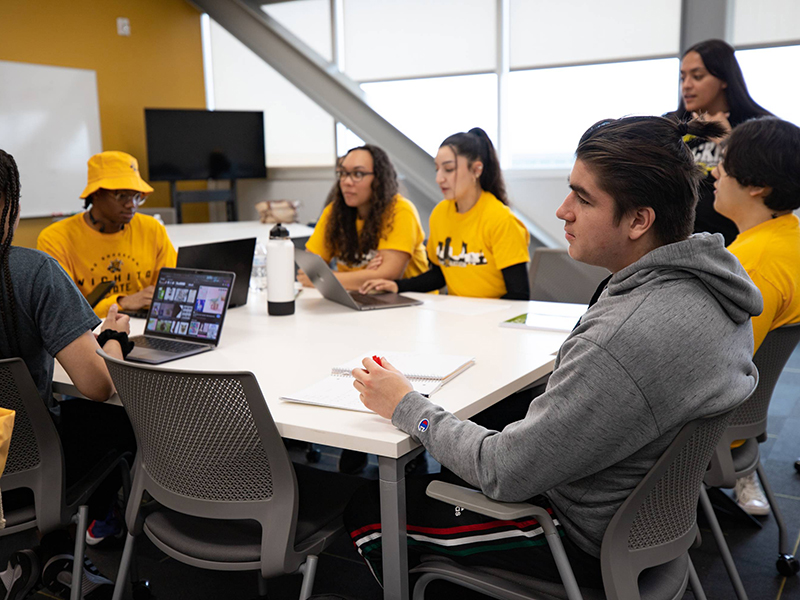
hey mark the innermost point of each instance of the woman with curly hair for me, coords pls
(477, 247)
(366, 222)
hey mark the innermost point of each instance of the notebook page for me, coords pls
(414, 365)
(337, 391)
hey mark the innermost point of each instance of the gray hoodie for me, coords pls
(668, 341)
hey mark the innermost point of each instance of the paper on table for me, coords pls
(337, 391)
(548, 316)
(426, 372)
(415, 365)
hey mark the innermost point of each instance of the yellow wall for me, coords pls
(159, 66)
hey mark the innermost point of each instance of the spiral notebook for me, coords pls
(426, 372)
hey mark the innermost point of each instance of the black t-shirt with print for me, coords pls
(51, 313)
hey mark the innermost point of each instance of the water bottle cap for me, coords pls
(279, 231)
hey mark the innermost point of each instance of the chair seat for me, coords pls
(665, 582)
(745, 457)
(25, 514)
(322, 498)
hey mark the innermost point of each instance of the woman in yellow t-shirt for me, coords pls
(477, 247)
(370, 229)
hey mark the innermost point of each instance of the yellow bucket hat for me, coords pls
(114, 171)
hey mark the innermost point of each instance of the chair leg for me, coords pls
(76, 587)
(124, 565)
(694, 583)
(727, 559)
(309, 571)
(262, 586)
(564, 568)
(787, 564)
(783, 543)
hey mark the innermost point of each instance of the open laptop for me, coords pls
(325, 281)
(232, 255)
(186, 315)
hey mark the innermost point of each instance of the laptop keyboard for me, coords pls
(163, 345)
(368, 299)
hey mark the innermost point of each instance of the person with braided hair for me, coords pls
(43, 317)
(367, 226)
(477, 247)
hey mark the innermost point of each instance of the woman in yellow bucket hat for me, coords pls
(110, 241)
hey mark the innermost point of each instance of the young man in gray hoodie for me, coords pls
(666, 341)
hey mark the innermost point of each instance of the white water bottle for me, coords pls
(258, 275)
(280, 272)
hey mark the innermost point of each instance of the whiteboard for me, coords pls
(50, 124)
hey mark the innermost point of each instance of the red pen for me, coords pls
(377, 360)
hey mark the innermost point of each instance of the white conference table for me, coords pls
(188, 234)
(288, 353)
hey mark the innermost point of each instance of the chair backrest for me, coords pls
(208, 447)
(657, 522)
(35, 458)
(556, 277)
(750, 420)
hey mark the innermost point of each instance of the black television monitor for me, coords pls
(205, 144)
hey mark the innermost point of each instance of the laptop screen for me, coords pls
(231, 255)
(190, 304)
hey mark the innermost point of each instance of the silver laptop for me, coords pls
(185, 316)
(325, 281)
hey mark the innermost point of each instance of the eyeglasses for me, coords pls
(356, 176)
(125, 196)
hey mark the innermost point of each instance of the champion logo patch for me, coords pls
(423, 425)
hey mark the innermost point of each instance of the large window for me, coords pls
(549, 109)
(393, 39)
(765, 22)
(545, 33)
(770, 78)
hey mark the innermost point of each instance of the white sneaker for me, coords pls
(750, 497)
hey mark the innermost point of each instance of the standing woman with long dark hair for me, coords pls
(367, 224)
(477, 247)
(713, 88)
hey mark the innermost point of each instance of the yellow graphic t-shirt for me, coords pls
(472, 248)
(131, 257)
(405, 235)
(770, 253)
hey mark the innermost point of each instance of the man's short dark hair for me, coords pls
(765, 152)
(643, 161)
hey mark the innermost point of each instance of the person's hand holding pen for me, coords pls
(381, 387)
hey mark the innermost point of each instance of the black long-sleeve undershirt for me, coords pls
(515, 278)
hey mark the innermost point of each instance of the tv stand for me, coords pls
(227, 196)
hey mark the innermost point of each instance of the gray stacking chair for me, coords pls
(557, 277)
(749, 422)
(644, 550)
(36, 462)
(226, 495)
